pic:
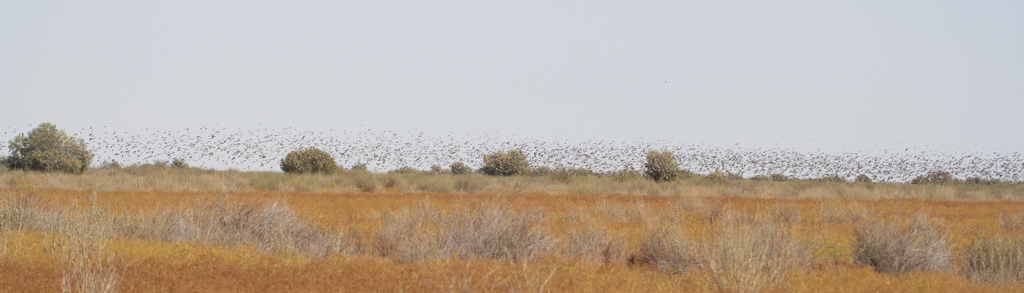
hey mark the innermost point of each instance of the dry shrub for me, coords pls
(666, 249)
(893, 248)
(994, 259)
(86, 266)
(592, 244)
(752, 258)
(491, 230)
(1012, 222)
(273, 227)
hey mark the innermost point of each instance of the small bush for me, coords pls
(892, 248)
(459, 168)
(995, 259)
(406, 170)
(48, 149)
(661, 166)
(179, 164)
(360, 167)
(863, 179)
(437, 169)
(831, 178)
(506, 163)
(112, 164)
(778, 177)
(981, 181)
(934, 177)
(542, 171)
(718, 176)
(666, 249)
(309, 160)
(753, 259)
(628, 174)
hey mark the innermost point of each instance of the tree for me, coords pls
(309, 160)
(47, 149)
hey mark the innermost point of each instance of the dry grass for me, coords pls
(994, 259)
(753, 258)
(894, 248)
(403, 241)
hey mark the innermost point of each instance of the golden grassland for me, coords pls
(62, 232)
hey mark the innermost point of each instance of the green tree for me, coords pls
(309, 160)
(661, 166)
(47, 149)
(506, 163)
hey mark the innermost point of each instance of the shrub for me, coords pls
(778, 177)
(112, 164)
(46, 149)
(832, 178)
(458, 168)
(666, 249)
(934, 177)
(894, 249)
(863, 179)
(718, 176)
(628, 174)
(359, 167)
(661, 166)
(179, 163)
(436, 169)
(981, 181)
(753, 259)
(406, 170)
(506, 163)
(309, 160)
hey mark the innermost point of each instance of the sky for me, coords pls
(803, 75)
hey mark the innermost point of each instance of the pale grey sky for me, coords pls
(851, 76)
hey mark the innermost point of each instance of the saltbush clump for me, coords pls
(309, 160)
(506, 163)
(179, 163)
(459, 168)
(47, 149)
(661, 166)
(934, 177)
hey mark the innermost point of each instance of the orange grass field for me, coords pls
(30, 261)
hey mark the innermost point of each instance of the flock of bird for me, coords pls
(262, 149)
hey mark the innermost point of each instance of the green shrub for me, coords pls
(718, 176)
(661, 166)
(506, 163)
(863, 179)
(934, 177)
(361, 167)
(436, 169)
(46, 149)
(832, 178)
(179, 163)
(458, 168)
(112, 164)
(309, 160)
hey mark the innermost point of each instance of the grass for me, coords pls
(995, 259)
(185, 179)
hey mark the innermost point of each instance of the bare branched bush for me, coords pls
(592, 244)
(490, 230)
(665, 249)
(994, 259)
(893, 248)
(1013, 222)
(87, 265)
(752, 258)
